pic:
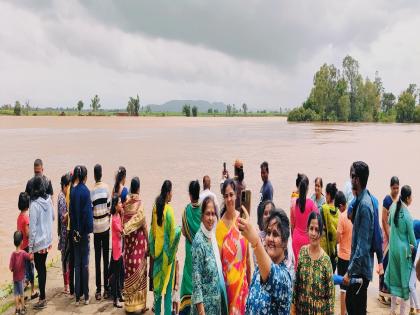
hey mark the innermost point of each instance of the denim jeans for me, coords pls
(81, 267)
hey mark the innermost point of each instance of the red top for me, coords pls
(116, 236)
(17, 264)
(22, 223)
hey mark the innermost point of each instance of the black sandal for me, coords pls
(98, 296)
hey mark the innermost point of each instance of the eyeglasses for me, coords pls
(232, 194)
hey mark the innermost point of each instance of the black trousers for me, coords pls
(81, 267)
(356, 298)
(70, 253)
(41, 269)
(117, 266)
(101, 244)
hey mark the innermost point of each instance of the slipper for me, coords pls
(98, 296)
(384, 301)
(35, 295)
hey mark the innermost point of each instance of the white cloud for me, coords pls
(64, 51)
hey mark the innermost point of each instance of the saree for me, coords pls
(135, 255)
(191, 220)
(163, 242)
(234, 249)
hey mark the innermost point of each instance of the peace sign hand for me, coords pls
(246, 228)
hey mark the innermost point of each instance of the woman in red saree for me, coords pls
(135, 251)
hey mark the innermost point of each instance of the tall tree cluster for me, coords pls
(343, 95)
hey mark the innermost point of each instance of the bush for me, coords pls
(302, 114)
(417, 114)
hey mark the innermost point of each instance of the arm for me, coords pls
(11, 262)
(292, 217)
(250, 233)
(136, 222)
(364, 221)
(339, 228)
(172, 235)
(385, 225)
(32, 228)
(248, 265)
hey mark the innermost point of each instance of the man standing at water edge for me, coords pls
(39, 171)
(266, 192)
(361, 258)
(207, 192)
(100, 202)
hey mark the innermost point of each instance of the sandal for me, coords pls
(117, 304)
(383, 300)
(34, 296)
(98, 296)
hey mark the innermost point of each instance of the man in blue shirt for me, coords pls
(266, 193)
(361, 258)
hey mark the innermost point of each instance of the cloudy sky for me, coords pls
(262, 52)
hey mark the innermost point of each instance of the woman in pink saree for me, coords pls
(135, 251)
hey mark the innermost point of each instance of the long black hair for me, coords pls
(161, 199)
(405, 194)
(331, 189)
(79, 173)
(114, 203)
(135, 185)
(194, 190)
(65, 180)
(38, 189)
(303, 190)
(121, 174)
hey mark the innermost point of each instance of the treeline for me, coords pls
(343, 95)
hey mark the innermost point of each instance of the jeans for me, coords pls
(356, 298)
(101, 244)
(168, 296)
(117, 267)
(41, 268)
(81, 267)
(29, 269)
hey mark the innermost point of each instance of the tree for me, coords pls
(228, 109)
(343, 109)
(194, 111)
(133, 106)
(405, 107)
(351, 73)
(210, 111)
(417, 114)
(17, 109)
(80, 106)
(186, 110)
(388, 102)
(95, 103)
(245, 108)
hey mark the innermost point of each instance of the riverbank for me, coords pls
(60, 303)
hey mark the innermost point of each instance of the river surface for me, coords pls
(183, 149)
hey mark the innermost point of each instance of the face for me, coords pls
(342, 208)
(273, 243)
(313, 232)
(318, 188)
(229, 197)
(65, 189)
(264, 174)
(267, 211)
(209, 216)
(38, 169)
(354, 179)
(395, 189)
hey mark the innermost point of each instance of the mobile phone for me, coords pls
(224, 167)
(246, 201)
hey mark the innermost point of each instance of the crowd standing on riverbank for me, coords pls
(295, 259)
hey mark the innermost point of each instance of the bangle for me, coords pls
(256, 244)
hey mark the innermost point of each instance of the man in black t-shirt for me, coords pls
(38, 171)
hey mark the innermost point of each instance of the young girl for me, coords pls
(23, 226)
(116, 263)
(62, 228)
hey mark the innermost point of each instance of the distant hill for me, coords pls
(176, 106)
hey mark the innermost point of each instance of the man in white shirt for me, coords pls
(206, 192)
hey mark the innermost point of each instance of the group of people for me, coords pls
(295, 259)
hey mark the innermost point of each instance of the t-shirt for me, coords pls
(46, 182)
(17, 264)
(116, 237)
(344, 229)
(99, 196)
(22, 224)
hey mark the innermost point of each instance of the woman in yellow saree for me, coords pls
(234, 253)
(135, 253)
(163, 240)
